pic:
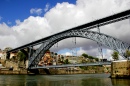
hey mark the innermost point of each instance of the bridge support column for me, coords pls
(30, 53)
(100, 45)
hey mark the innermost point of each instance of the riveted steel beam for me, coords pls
(106, 40)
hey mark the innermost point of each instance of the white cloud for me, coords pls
(32, 29)
(17, 22)
(108, 54)
(81, 51)
(46, 7)
(91, 52)
(5, 30)
(68, 54)
(37, 11)
(65, 16)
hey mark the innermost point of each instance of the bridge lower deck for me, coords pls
(72, 65)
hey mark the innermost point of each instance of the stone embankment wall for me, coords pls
(16, 68)
(120, 69)
(9, 64)
(51, 72)
(3, 62)
(6, 72)
(64, 71)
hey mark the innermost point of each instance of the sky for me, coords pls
(24, 21)
(22, 9)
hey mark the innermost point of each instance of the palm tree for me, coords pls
(115, 55)
(127, 54)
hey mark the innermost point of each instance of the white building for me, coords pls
(1, 55)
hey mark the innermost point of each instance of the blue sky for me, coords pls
(11, 10)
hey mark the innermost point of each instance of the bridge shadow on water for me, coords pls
(47, 71)
(37, 72)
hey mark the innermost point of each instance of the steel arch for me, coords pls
(106, 40)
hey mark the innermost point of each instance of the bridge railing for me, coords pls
(72, 65)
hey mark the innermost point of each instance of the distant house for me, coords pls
(1, 54)
(46, 59)
(13, 54)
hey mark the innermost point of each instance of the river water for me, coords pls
(62, 80)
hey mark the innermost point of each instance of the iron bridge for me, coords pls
(79, 31)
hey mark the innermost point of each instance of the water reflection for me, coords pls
(62, 80)
(72, 80)
(120, 82)
(97, 82)
(11, 80)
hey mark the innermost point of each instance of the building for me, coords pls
(1, 54)
(13, 54)
(120, 69)
(46, 59)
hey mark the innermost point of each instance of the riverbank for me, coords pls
(48, 72)
(11, 72)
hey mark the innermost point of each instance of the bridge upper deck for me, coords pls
(100, 22)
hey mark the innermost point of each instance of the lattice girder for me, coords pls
(106, 40)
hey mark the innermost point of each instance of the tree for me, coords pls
(96, 59)
(62, 58)
(85, 55)
(7, 49)
(90, 57)
(21, 56)
(56, 54)
(115, 55)
(66, 61)
(127, 54)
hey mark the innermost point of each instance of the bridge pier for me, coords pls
(120, 69)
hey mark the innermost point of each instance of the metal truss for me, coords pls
(106, 40)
